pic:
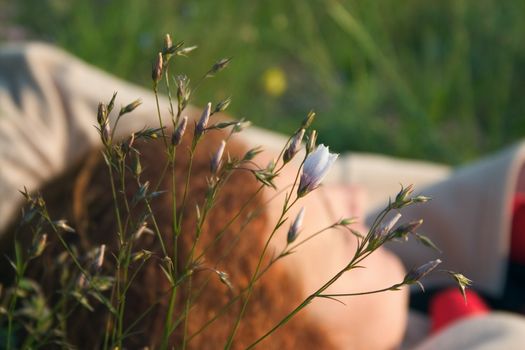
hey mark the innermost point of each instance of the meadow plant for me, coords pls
(102, 278)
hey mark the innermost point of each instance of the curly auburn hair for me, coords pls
(83, 197)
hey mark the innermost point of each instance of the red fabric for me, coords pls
(517, 246)
(448, 306)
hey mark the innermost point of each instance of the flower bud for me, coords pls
(218, 66)
(403, 230)
(177, 135)
(38, 246)
(185, 50)
(143, 229)
(308, 120)
(346, 221)
(102, 114)
(183, 93)
(221, 106)
(168, 43)
(402, 198)
(130, 107)
(156, 72)
(294, 147)
(312, 140)
(462, 281)
(136, 166)
(295, 227)
(216, 160)
(414, 275)
(241, 125)
(384, 230)
(112, 102)
(203, 121)
(421, 199)
(63, 225)
(106, 133)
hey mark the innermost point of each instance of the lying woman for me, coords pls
(83, 197)
(48, 142)
(75, 184)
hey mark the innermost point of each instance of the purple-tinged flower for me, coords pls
(385, 229)
(315, 168)
(294, 147)
(156, 72)
(415, 275)
(216, 160)
(179, 132)
(295, 227)
(203, 121)
(102, 114)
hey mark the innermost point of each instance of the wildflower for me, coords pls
(295, 226)
(274, 81)
(176, 137)
(216, 160)
(203, 121)
(294, 147)
(315, 168)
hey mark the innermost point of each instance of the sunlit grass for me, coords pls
(438, 80)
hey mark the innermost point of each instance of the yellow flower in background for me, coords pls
(274, 81)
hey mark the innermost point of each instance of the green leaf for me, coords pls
(427, 242)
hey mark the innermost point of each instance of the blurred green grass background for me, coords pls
(437, 80)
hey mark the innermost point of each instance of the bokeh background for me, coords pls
(440, 80)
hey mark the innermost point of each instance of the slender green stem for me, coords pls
(359, 256)
(155, 90)
(230, 222)
(12, 304)
(156, 227)
(175, 236)
(313, 235)
(115, 200)
(391, 288)
(286, 207)
(254, 276)
(303, 304)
